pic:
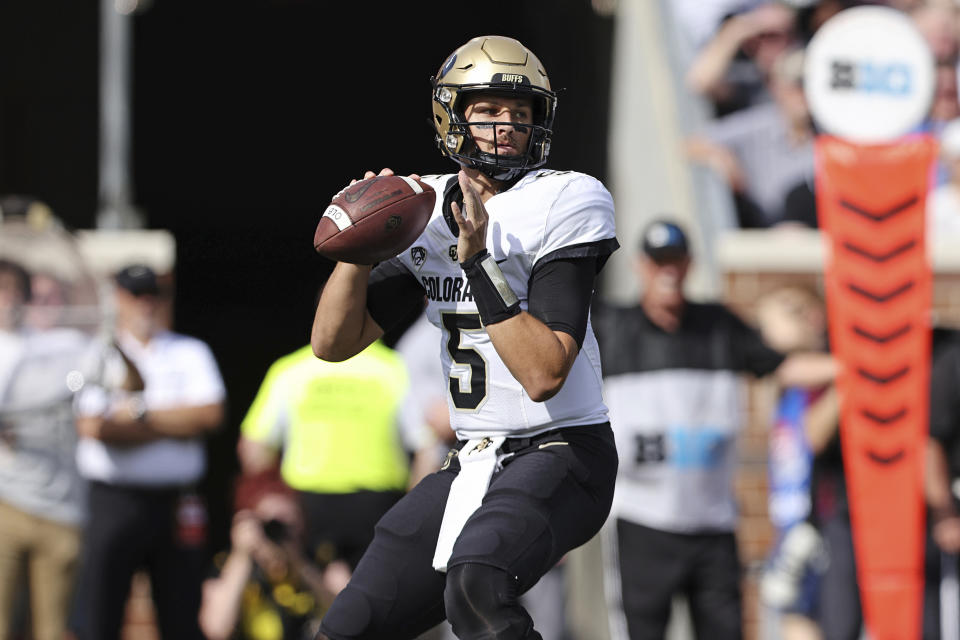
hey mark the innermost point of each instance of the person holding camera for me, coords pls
(265, 588)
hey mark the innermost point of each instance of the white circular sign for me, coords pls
(869, 75)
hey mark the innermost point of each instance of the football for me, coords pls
(374, 219)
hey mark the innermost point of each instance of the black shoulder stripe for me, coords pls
(452, 193)
(600, 249)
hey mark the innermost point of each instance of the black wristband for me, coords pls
(495, 300)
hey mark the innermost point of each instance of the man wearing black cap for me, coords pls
(672, 382)
(143, 454)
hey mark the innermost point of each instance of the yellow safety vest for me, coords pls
(336, 421)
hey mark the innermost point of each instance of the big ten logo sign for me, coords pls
(868, 75)
(892, 79)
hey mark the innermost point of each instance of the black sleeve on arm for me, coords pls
(393, 294)
(560, 294)
(561, 286)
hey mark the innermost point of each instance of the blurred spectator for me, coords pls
(943, 202)
(793, 319)
(265, 589)
(944, 109)
(333, 427)
(700, 19)
(48, 298)
(812, 573)
(144, 454)
(671, 381)
(838, 608)
(937, 22)
(734, 66)
(764, 151)
(943, 475)
(945, 106)
(41, 493)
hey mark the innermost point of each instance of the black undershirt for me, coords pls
(560, 294)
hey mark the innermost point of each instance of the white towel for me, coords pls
(478, 460)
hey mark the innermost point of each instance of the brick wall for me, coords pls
(753, 263)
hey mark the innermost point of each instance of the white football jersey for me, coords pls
(544, 212)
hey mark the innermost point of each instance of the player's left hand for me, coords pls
(472, 220)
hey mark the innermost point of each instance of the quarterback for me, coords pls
(506, 267)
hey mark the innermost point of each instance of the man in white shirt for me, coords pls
(143, 453)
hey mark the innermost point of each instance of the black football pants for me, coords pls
(552, 496)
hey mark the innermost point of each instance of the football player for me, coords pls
(507, 266)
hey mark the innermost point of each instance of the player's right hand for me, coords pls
(472, 220)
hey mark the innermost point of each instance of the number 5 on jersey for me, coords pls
(468, 372)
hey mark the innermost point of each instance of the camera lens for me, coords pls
(276, 531)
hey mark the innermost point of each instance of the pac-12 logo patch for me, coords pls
(418, 254)
(452, 252)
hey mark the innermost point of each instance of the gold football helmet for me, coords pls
(492, 64)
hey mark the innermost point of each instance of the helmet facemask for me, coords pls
(492, 65)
